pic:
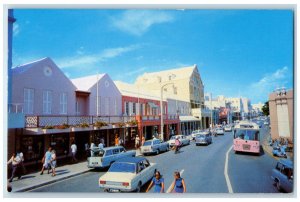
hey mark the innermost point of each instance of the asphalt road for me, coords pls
(202, 168)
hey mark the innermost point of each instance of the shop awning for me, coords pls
(188, 118)
(152, 105)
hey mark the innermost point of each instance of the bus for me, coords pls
(246, 137)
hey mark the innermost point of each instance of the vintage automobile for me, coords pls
(182, 138)
(203, 137)
(101, 158)
(127, 174)
(154, 146)
(194, 133)
(220, 131)
(282, 175)
(228, 128)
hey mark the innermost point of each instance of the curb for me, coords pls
(28, 188)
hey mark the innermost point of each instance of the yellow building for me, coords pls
(183, 84)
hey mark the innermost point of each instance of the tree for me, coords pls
(265, 109)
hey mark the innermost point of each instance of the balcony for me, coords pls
(63, 124)
(157, 117)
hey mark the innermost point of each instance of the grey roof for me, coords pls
(25, 67)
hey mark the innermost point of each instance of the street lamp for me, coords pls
(161, 106)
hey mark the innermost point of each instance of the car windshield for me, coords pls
(247, 134)
(96, 152)
(173, 138)
(147, 143)
(200, 136)
(122, 167)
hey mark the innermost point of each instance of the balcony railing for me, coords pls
(42, 121)
(157, 117)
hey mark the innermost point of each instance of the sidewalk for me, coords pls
(269, 149)
(35, 180)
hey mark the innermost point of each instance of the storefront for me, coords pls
(32, 147)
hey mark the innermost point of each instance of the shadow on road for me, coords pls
(28, 176)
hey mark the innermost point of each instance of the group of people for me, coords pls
(178, 185)
(49, 161)
(18, 168)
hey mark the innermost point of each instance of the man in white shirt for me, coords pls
(101, 146)
(74, 150)
(15, 161)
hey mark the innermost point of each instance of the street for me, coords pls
(202, 168)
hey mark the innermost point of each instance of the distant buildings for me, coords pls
(281, 105)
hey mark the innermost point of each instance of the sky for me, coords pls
(245, 53)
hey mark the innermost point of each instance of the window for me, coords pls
(116, 107)
(134, 108)
(106, 106)
(115, 151)
(108, 153)
(47, 102)
(63, 103)
(28, 100)
(126, 108)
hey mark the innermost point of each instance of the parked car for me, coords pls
(203, 137)
(282, 175)
(182, 138)
(194, 133)
(127, 174)
(220, 131)
(101, 158)
(154, 146)
(228, 128)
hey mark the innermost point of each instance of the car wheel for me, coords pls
(278, 185)
(138, 188)
(157, 152)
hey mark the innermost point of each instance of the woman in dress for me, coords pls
(158, 183)
(178, 184)
(53, 162)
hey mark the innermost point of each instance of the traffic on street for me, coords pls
(207, 168)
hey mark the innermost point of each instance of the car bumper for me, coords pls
(116, 189)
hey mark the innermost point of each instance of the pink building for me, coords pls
(59, 111)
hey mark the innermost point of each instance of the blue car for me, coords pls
(282, 175)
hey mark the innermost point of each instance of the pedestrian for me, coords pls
(87, 149)
(74, 151)
(137, 142)
(22, 167)
(121, 142)
(102, 141)
(101, 146)
(158, 183)
(178, 184)
(91, 148)
(177, 144)
(117, 140)
(46, 161)
(143, 140)
(14, 161)
(53, 162)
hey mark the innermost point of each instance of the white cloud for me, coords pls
(137, 22)
(16, 29)
(81, 61)
(136, 71)
(267, 84)
(80, 51)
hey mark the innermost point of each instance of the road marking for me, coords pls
(169, 189)
(226, 172)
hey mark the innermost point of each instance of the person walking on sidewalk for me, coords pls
(158, 183)
(46, 161)
(53, 162)
(137, 142)
(74, 151)
(117, 140)
(14, 161)
(87, 149)
(22, 167)
(178, 184)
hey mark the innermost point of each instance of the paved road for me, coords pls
(202, 167)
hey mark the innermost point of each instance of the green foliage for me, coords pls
(265, 109)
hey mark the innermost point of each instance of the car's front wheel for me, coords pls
(139, 186)
(277, 183)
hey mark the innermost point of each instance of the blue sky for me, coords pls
(238, 52)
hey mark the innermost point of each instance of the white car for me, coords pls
(194, 133)
(127, 174)
(154, 146)
(228, 128)
(102, 158)
(182, 138)
(220, 131)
